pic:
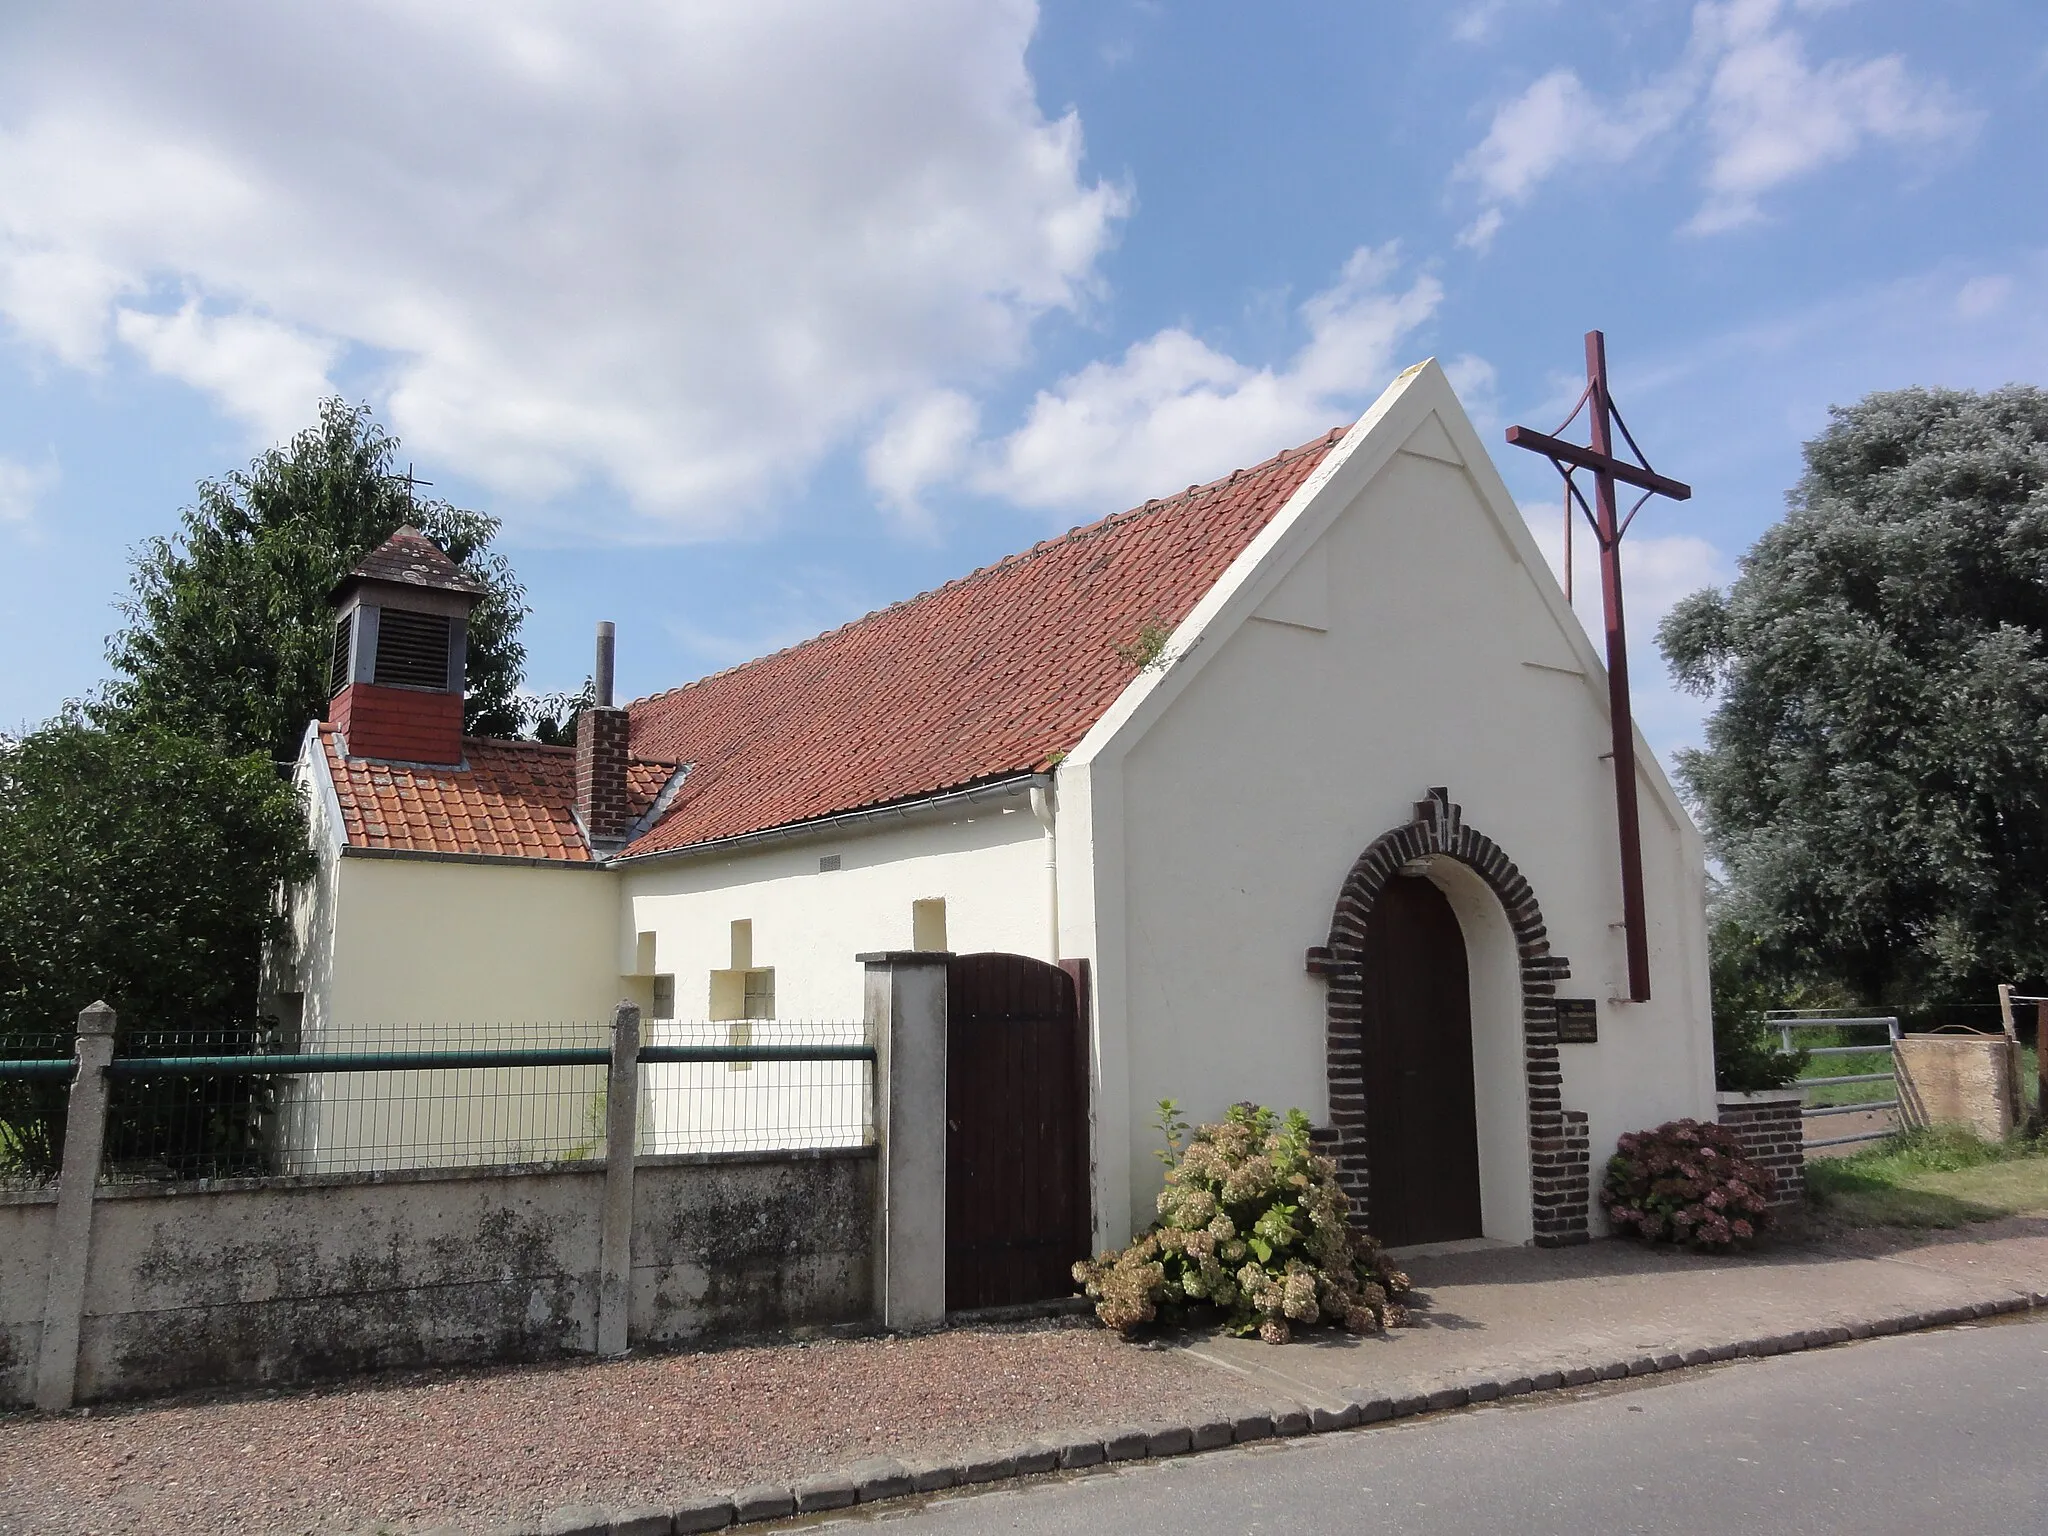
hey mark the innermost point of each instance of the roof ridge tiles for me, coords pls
(1074, 535)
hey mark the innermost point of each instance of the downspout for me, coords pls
(1043, 809)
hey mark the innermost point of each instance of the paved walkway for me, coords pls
(759, 1433)
(1491, 1310)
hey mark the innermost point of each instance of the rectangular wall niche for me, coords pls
(928, 925)
(743, 990)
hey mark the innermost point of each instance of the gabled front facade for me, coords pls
(1198, 746)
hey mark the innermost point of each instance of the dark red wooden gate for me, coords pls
(1017, 1132)
(1421, 1125)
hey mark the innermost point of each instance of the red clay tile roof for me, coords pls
(998, 673)
(411, 559)
(512, 800)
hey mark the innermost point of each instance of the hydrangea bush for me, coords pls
(1253, 1232)
(1687, 1182)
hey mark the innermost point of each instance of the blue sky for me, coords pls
(748, 318)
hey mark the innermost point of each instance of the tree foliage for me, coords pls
(1746, 986)
(230, 635)
(1875, 779)
(139, 867)
(136, 866)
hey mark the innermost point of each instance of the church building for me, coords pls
(1295, 787)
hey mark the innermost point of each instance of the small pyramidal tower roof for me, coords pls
(410, 559)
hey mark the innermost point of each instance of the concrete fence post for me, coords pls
(906, 1017)
(621, 1138)
(85, 1133)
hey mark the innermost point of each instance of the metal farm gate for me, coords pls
(1017, 1213)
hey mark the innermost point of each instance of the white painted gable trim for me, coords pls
(1418, 408)
(314, 756)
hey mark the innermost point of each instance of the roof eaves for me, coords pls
(444, 856)
(1007, 786)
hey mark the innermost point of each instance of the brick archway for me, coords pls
(1560, 1174)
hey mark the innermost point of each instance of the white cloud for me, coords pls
(22, 486)
(926, 441)
(1481, 21)
(1173, 409)
(1772, 117)
(1982, 296)
(269, 375)
(1743, 86)
(684, 251)
(1475, 24)
(1554, 121)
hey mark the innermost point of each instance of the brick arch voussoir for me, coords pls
(1559, 1164)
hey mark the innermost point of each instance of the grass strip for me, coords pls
(1939, 1177)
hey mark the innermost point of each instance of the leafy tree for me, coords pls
(136, 866)
(1875, 779)
(230, 635)
(1746, 986)
(553, 715)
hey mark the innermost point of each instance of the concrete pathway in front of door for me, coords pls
(1487, 1313)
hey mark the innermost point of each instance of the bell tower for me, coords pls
(401, 651)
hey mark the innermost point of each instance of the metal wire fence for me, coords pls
(805, 1084)
(446, 1096)
(239, 1102)
(32, 1104)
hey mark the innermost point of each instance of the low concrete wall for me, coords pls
(1971, 1080)
(265, 1281)
(725, 1244)
(25, 1223)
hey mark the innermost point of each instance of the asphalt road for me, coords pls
(1934, 1434)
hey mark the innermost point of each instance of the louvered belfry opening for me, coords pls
(412, 649)
(344, 632)
(401, 647)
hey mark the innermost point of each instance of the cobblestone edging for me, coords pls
(878, 1478)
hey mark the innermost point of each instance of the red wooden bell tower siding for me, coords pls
(401, 649)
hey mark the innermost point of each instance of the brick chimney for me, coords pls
(603, 745)
(401, 652)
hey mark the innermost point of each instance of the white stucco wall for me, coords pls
(988, 862)
(420, 942)
(427, 954)
(430, 953)
(1416, 639)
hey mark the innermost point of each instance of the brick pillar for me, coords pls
(603, 744)
(1773, 1134)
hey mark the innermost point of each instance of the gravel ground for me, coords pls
(495, 1445)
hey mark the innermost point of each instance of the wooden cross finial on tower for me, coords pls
(1599, 458)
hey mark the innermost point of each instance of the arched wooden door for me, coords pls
(1016, 1132)
(1421, 1125)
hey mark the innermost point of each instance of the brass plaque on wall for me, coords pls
(1578, 1021)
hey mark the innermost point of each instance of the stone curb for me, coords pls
(879, 1478)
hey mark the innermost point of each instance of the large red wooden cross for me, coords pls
(1599, 459)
